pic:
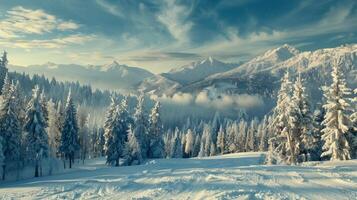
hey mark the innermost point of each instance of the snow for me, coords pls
(233, 176)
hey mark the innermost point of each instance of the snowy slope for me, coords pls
(198, 70)
(265, 70)
(108, 76)
(263, 62)
(158, 85)
(235, 176)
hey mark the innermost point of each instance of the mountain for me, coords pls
(196, 71)
(261, 75)
(262, 62)
(109, 76)
(158, 85)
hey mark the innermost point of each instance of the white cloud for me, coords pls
(20, 21)
(47, 43)
(112, 9)
(175, 18)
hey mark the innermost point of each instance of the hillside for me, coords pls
(233, 176)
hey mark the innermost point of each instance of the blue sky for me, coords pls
(163, 34)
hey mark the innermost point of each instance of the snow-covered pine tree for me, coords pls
(303, 126)
(100, 142)
(207, 139)
(141, 126)
(213, 150)
(221, 141)
(176, 146)
(44, 106)
(2, 158)
(84, 137)
(354, 126)
(3, 68)
(116, 132)
(251, 141)
(36, 135)
(69, 132)
(263, 134)
(196, 146)
(10, 127)
(190, 140)
(156, 143)
(6, 86)
(280, 122)
(53, 130)
(132, 150)
(240, 131)
(336, 121)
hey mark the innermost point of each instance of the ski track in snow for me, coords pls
(234, 176)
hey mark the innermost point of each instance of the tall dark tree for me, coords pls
(69, 136)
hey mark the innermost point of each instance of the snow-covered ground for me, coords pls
(234, 176)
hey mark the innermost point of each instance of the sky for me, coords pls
(163, 34)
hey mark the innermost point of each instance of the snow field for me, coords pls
(234, 176)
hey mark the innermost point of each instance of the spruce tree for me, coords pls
(116, 132)
(36, 135)
(336, 121)
(141, 127)
(190, 140)
(69, 132)
(354, 126)
(10, 127)
(2, 158)
(176, 146)
(156, 143)
(3, 68)
(279, 142)
(132, 150)
(221, 140)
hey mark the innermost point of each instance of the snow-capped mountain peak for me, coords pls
(198, 70)
(278, 54)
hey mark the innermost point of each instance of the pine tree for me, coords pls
(156, 143)
(44, 106)
(116, 132)
(54, 130)
(132, 150)
(263, 134)
(176, 147)
(251, 143)
(100, 141)
(303, 125)
(280, 123)
(207, 139)
(190, 139)
(221, 141)
(336, 121)
(354, 126)
(84, 138)
(6, 86)
(36, 134)
(3, 68)
(69, 132)
(10, 127)
(196, 146)
(141, 127)
(2, 157)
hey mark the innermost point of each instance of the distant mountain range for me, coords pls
(259, 75)
(110, 76)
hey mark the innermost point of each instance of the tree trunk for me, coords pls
(117, 162)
